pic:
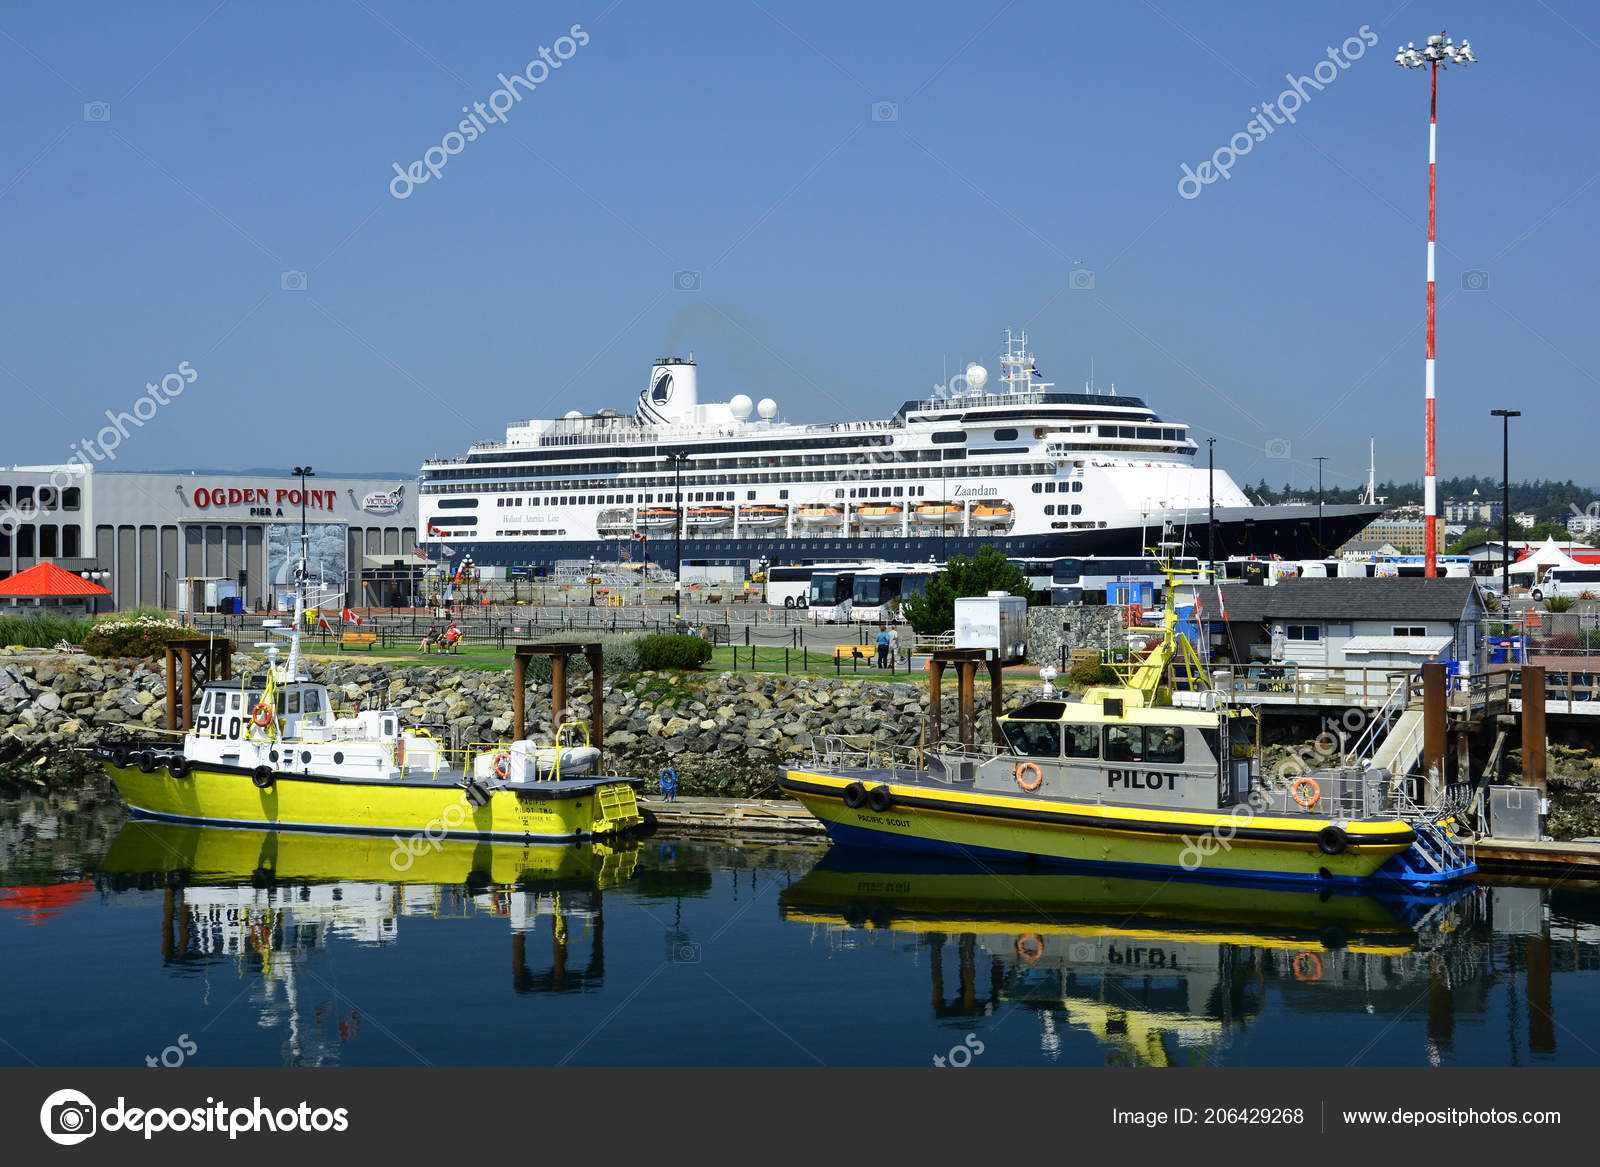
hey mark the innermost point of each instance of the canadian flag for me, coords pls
(322, 623)
(434, 531)
(349, 616)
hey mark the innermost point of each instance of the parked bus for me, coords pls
(829, 594)
(1091, 579)
(790, 585)
(1568, 582)
(878, 592)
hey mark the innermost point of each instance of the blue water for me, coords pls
(118, 945)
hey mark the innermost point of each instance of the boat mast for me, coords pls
(302, 571)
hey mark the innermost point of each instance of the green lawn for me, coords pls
(816, 661)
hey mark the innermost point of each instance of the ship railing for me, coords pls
(857, 752)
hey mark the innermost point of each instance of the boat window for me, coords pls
(1034, 739)
(313, 701)
(1124, 743)
(234, 702)
(1163, 743)
(1082, 742)
(294, 701)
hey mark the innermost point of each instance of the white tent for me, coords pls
(1543, 559)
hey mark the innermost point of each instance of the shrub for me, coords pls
(1084, 673)
(133, 635)
(1558, 604)
(672, 652)
(42, 631)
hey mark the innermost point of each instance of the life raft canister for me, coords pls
(1038, 775)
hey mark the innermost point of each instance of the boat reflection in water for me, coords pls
(269, 901)
(1160, 972)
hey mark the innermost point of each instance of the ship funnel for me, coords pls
(672, 394)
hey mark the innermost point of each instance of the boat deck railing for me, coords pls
(837, 751)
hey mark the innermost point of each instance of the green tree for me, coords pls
(1470, 538)
(934, 610)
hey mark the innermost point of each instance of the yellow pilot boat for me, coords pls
(1125, 778)
(272, 752)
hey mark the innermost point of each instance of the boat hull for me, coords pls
(561, 811)
(945, 821)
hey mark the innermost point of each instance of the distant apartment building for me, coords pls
(1475, 511)
(1404, 532)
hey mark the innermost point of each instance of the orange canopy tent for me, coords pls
(46, 581)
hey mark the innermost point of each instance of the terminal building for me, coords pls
(197, 540)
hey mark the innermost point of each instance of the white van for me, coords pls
(1570, 582)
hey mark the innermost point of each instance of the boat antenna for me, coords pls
(301, 574)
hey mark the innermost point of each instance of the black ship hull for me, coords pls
(1289, 532)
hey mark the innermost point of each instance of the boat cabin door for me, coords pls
(1237, 764)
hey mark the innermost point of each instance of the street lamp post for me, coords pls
(1505, 416)
(1322, 546)
(591, 581)
(1439, 52)
(677, 459)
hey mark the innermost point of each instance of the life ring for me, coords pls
(1030, 947)
(1038, 775)
(879, 799)
(855, 795)
(1300, 784)
(1306, 966)
(502, 765)
(261, 715)
(261, 777)
(1332, 840)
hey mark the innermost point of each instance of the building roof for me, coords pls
(1344, 599)
(46, 579)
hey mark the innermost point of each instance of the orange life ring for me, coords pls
(1306, 966)
(1038, 775)
(261, 716)
(502, 765)
(1030, 947)
(1299, 784)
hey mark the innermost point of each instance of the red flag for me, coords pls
(322, 622)
(349, 616)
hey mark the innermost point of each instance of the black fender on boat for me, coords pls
(262, 777)
(855, 795)
(879, 799)
(1332, 840)
(178, 766)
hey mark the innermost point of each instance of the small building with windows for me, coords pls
(1347, 623)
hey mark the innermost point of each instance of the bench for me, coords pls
(355, 636)
(858, 651)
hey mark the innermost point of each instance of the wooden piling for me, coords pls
(519, 699)
(1533, 728)
(1434, 738)
(965, 675)
(935, 701)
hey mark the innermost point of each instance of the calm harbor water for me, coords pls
(122, 942)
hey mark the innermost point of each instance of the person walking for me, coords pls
(883, 643)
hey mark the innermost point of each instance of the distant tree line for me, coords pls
(1548, 501)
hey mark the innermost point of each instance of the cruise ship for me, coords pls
(1034, 472)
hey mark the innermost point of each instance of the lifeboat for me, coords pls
(992, 514)
(763, 515)
(658, 517)
(879, 514)
(938, 512)
(614, 521)
(710, 517)
(820, 515)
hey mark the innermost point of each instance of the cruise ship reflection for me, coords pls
(1159, 972)
(268, 902)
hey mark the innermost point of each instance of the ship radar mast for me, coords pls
(1018, 370)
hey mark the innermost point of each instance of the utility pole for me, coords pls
(1505, 416)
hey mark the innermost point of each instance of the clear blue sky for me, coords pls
(842, 259)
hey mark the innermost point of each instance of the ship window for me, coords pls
(1124, 743)
(945, 436)
(1082, 742)
(1077, 508)
(1034, 739)
(899, 491)
(1007, 435)
(1163, 744)
(1038, 487)
(783, 494)
(1077, 485)
(1049, 510)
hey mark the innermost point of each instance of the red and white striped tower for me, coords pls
(1438, 53)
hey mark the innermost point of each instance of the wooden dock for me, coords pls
(1549, 860)
(752, 815)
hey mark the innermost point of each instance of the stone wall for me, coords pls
(1089, 626)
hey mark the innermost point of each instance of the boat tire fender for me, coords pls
(879, 799)
(147, 762)
(1332, 840)
(261, 777)
(178, 766)
(855, 795)
(1022, 768)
